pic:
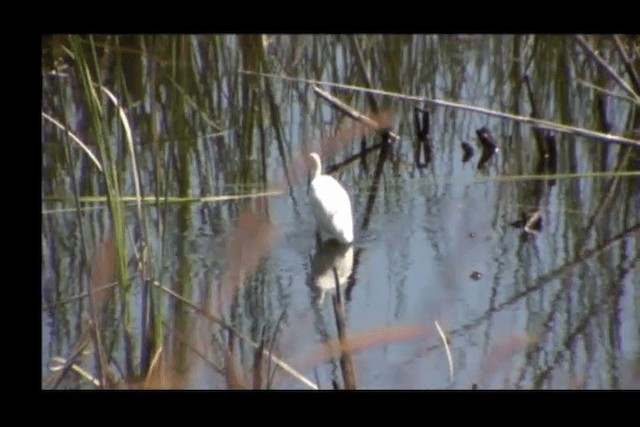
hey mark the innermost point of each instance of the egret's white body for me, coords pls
(330, 204)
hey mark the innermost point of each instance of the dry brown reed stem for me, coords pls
(155, 374)
(214, 319)
(232, 373)
(607, 68)
(522, 119)
(354, 114)
(103, 268)
(364, 340)
(159, 376)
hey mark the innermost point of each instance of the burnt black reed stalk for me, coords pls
(373, 189)
(346, 361)
(263, 146)
(371, 198)
(423, 129)
(540, 187)
(552, 149)
(361, 155)
(363, 152)
(601, 106)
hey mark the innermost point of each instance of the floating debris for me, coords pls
(487, 140)
(489, 146)
(475, 275)
(530, 222)
(468, 151)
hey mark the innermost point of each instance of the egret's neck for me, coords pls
(316, 166)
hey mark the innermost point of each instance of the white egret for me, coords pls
(330, 204)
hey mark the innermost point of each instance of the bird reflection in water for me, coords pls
(330, 255)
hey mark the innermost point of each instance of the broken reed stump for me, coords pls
(423, 129)
(355, 115)
(467, 150)
(529, 222)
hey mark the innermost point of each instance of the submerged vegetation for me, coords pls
(154, 144)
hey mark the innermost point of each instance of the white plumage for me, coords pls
(330, 204)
